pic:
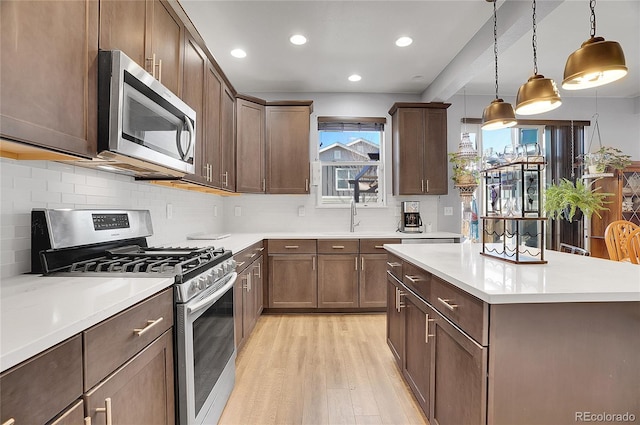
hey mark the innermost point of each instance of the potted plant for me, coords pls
(605, 157)
(465, 170)
(567, 200)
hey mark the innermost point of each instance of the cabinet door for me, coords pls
(227, 136)
(338, 281)
(417, 356)
(40, 388)
(293, 281)
(193, 94)
(212, 146)
(258, 285)
(287, 149)
(373, 286)
(395, 320)
(74, 415)
(48, 74)
(408, 151)
(250, 147)
(166, 42)
(124, 26)
(249, 305)
(459, 369)
(435, 152)
(238, 309)
(140, 392)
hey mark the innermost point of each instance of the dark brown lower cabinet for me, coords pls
(395, 325)
(140, 391)
(338, 281)
(74, 415)
(293, 281)
(418, 353)
(459, 370)
(373, 282)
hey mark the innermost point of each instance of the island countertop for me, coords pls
(565, 278)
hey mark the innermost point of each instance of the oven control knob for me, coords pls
(217, 273)
(202, 282)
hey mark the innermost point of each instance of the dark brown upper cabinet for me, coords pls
(48, 76)
(419, 148)
(250, 145)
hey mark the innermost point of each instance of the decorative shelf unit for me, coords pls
(513, 227)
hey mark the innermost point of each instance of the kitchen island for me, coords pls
(481, 340)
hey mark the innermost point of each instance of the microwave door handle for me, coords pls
(192, 136)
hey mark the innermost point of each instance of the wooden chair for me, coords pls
(633, 246)
(574, 249)
(615, 237)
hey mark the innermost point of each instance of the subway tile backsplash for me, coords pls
(25, 185)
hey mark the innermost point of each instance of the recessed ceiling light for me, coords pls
(238, 53)
(404, 41)
(355, 77)
(298, 39)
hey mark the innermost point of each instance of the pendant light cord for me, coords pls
(495, 41)
(534, 41)
(592, 6)
(464, 94)
(573, 155)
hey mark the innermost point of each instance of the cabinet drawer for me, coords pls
(292, 246)
(374, 246)
(463, 309)
(338, 246)
(40, 388)
(394, 266)
(247, 256)
(114, 341)
(417, 279)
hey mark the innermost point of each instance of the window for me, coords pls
(349, 150)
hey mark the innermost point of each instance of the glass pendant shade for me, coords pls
(497, 115)
(537, 95)
(597, 62)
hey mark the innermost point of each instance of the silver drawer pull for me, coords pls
(413, 279)
(240, 264)
(426, 328)
(337, 246)
(379, 247)
(260, 249)
(150, 324)
(393, 264)
(291, 247)
(9, 421)
(253, 255)
(451, 307)
(106, 409)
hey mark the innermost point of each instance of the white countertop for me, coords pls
(565, 278)
(38, 312)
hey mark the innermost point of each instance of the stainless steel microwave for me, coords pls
(143, 128)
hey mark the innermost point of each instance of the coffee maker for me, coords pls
(410, 217)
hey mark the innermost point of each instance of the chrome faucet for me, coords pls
(354, 213)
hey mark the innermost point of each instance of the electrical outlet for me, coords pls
(301, 211)
(169, 211)
(215, 210)
(237, 211)
(448, 210)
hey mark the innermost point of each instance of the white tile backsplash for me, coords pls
(43, 184)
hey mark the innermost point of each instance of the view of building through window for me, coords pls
(350, 162)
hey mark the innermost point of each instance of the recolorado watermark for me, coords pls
(604, 417)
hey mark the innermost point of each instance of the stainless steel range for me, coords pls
(113, 242)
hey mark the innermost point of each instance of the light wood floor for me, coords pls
(319, 369)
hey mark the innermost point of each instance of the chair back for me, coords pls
(615, 237)
(633, 246)
(573, 249)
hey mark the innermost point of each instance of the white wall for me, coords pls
(42, 184)
(280, 212)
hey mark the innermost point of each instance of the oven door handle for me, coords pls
(213, 297)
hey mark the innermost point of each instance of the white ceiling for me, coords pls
(452, 48)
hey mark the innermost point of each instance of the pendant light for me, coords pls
(499, 114)
(597, 62)
(538, 94)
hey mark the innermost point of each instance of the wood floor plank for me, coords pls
(319, 369)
